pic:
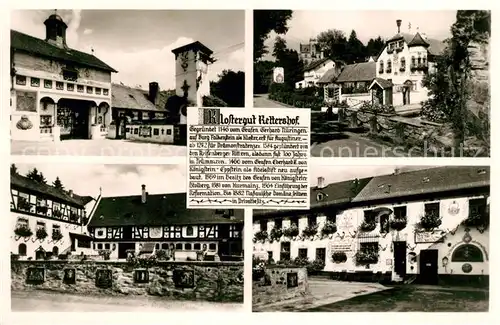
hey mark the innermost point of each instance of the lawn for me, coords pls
(414, 299)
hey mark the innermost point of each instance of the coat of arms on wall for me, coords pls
(184, 278)
(35, 275)
(69, 276)
(103, 278)
(24, 123)
(184, 61)
(454, 208)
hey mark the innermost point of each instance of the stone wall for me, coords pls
(210, 281)
(280, 283)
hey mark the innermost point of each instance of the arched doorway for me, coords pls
(40, 254)
(406, 90)
(47, 114)
(73, 117)
(21, 250)
(55, 251)
(467, 253)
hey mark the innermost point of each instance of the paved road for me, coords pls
(49, 301)
(345, 145)
(323, 292)
(104, 147)
(262, 100)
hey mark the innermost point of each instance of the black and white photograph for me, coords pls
(123, 240)
(379, 83)
(378, 239)
(118, 82)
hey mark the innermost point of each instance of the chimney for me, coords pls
(321, 182)
(398, 23)
(397, 171)
(153, 92)
(144, 194)
(70, 193)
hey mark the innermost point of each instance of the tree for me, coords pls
(262, 76)
(264, 22)
(449, 86)
(13, 169)
(230, 88)
(36, 176)
(279, 47)
(374, 46)
(58, 184)
(355, 49)
(334, 44)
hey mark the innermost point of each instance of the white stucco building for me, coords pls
(314, 71)
(428, 225)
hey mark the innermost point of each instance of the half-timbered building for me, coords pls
(47, 221)
(162, 222)
(428, 225)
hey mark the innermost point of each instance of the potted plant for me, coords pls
(328, 228)
(477, 219)
(276, 234)
(260, 236)
(23, 231)
(292, 231)
(365, 257)
(310, 231)
(399, 223)
(368, 226)
(41, 233)
(429, 221)
(339, 257)
(57, 235)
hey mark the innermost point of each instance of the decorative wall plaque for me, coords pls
(69, 276)
(435, 236)
(25, 101)
(35, 82)
(103, 278)
(141, 276)
(454, 208)
(35, 275)
(184, 278)
(79, 88)
(292, 280)
(467, 268)
(24, 123)
(21, 80)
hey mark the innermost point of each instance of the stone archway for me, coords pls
(406, 90)
(47, 114)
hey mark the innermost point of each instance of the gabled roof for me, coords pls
(159, 210)
(329, 76)
(432, 180)
(330, 195)
(381, 82)
(20, 182)
(196, 46)
(135, 98)
(32, 45)
(365, 71)
(315, 64)
(418, 41)
(407, 37)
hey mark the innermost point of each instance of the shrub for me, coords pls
(368, 226)
(399, 223)
(162, 254)
(261, 236)
(364, 257)
(430, 221)
(105, 253)
(276, 234)
(57, 235)
(212, 101)
(292, 231)
(328, 228)
(41, 233)
(310, 231)
(315, 266)
(477, 219)
(23, 231)
(339, 257)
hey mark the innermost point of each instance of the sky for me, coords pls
(115, 180)
(138, 43)
(306, 24)
(335, 174)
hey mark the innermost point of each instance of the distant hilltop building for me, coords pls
(310, 51)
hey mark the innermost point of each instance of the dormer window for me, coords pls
(481, 171)
(426, 180)
(320, 197)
